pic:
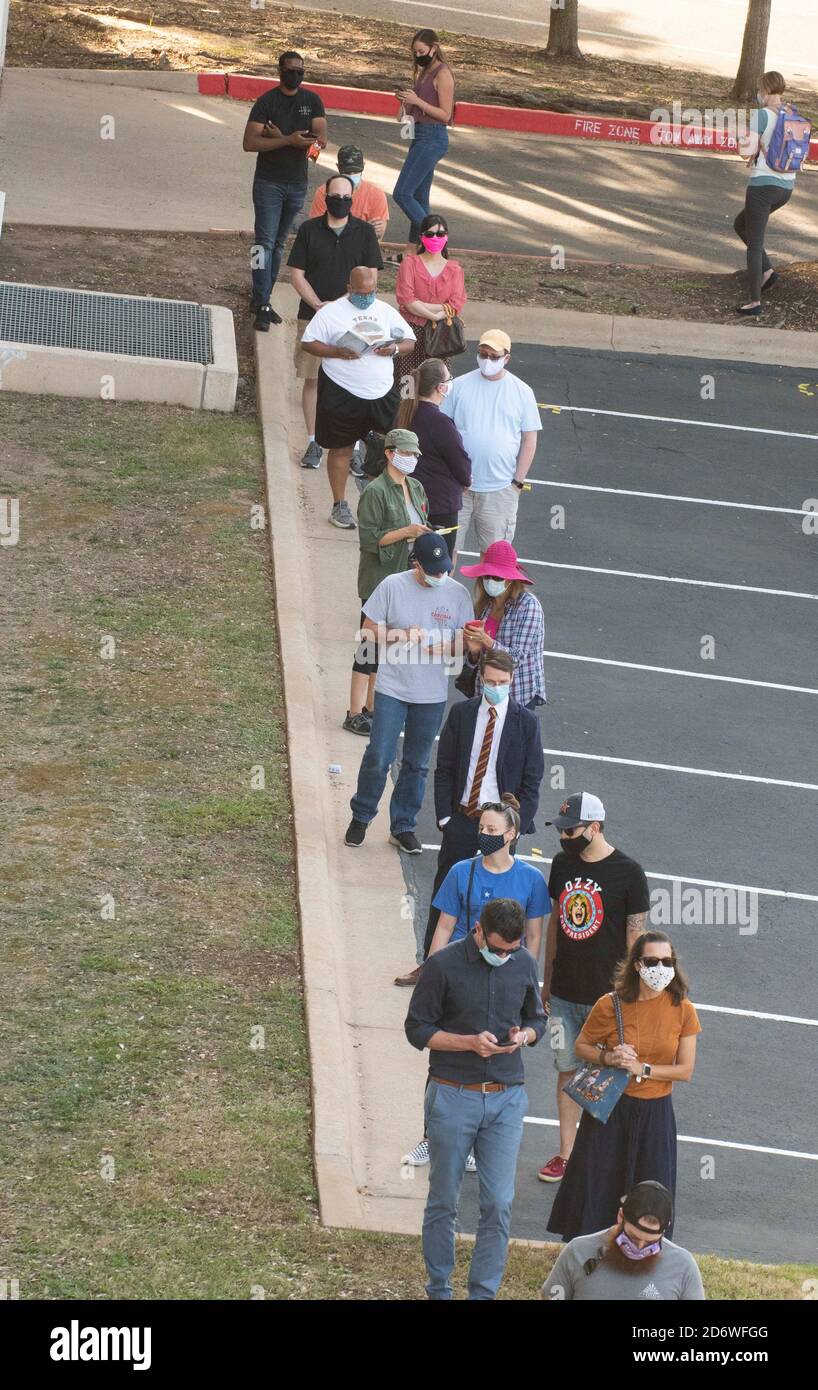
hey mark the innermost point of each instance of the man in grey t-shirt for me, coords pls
(417, 619)
(631, 1260)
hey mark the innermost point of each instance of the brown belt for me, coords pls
(473, 1086)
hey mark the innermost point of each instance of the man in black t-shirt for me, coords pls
(600, 903)
(324, 254)
(282, 126)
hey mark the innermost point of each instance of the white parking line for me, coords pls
(681, 878)
(661, 578)
(671, 420)
(673, 497)
(679, 671)
(749, 1013)
(678, 767)
(711, 1143)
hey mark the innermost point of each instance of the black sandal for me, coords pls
(768, 284)
(749, 311)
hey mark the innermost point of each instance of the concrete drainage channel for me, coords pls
(116, 347)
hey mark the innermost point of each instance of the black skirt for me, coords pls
(638, 1144)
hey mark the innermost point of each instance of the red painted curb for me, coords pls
(611, 130)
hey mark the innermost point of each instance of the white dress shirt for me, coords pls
(489, 790)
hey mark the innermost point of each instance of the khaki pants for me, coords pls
(492, 516)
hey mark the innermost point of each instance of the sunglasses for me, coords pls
(497, 951)
(656, 960)
(295, 72)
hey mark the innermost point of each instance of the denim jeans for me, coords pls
(277, 205)
(420, 724)
(414, 185)
(492, 1124)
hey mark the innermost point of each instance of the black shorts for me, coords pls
(341, 419)
(366, 653)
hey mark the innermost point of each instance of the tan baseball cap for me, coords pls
(495, 338)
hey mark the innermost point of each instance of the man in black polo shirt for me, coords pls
(282, 126)
(325, 251)
(477, 1003)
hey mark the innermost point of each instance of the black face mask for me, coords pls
(424, 59)
(575, 846)
(338, 205)
(489, 844)
(292, 78)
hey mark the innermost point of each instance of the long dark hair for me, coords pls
(430, 220)
(429, 37)
(627, 979)
(428, 375)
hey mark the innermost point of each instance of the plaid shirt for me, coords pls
(522, 632)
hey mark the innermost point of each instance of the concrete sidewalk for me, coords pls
(176, 164)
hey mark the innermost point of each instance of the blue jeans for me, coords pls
(420, 724)
(414, 185)
(277, 205)
(492, 1125)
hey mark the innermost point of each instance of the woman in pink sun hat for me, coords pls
(510, 617)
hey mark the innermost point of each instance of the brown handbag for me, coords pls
(446, 337)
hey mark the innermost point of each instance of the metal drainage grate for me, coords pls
(110, 323)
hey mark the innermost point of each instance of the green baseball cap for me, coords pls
(404, 440)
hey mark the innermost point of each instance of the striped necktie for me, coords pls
(482, 763)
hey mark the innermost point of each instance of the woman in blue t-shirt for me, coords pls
(494, 873)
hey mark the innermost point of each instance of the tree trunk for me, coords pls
(753, 51)
(563, 32)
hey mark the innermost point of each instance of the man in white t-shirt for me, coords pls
(356, 384)
(417, 618)
(497, 415)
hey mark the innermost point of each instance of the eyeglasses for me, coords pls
(656, 960)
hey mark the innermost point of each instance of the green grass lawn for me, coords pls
(151, 1147)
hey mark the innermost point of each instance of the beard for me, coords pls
(617, 1260)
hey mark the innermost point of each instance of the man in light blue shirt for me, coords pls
(497, 415)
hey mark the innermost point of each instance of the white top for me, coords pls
(368, 377)
(489, 790)
(491, 416)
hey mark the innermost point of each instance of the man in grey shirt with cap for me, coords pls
(630, 1261)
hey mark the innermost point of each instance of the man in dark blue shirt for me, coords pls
(477, 1003)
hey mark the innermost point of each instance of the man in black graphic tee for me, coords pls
(600, 903)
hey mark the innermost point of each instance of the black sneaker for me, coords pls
(356, 830)
(358, 723)
(265, 315)
(407, 841)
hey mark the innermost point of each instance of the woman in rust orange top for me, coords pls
(638, 1143)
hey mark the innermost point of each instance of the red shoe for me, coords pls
(553, 1170)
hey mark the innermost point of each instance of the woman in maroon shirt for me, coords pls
(429, 105)
(444, 467)
(426, 284)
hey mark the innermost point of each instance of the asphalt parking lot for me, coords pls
(708, 766)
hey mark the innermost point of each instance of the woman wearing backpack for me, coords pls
(768, 187)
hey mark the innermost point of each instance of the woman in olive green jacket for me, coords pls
(392, 511)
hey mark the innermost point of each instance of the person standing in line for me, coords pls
(429, 286)
(498, 418)
(444, 467)
(767, 191)
(490, 748)
(639, 1138)
(324, 253)
(417, 618)
(600, 903)
(356, 388)
(369, 202)
(474, 1024)
(280, 129)
(392, 513)
(511, 619)
(613, 1264)
(429, 104)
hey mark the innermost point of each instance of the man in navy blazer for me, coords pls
(515, 764)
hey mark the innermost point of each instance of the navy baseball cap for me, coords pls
(432, 554)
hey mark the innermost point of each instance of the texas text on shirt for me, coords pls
(368, 377)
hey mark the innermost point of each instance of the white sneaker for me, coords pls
(418, 1157)
(471, 1164)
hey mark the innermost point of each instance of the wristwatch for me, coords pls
(518, 485)
(646, 1069)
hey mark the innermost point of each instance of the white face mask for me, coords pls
(494, 587)
(405, 463)
(490, 366)
(444, 388)
(656, 977)
(435, 579)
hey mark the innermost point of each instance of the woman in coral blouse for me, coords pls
(426, 283)
(638, 1143)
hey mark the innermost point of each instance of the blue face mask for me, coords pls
(496, 694)
(362, 301)
(490, 958)
(356, 179)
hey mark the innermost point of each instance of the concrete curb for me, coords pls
(524, 119)
(126, 77)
